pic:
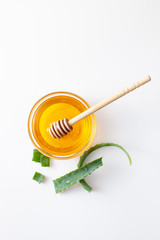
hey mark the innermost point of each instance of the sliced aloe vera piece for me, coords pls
(75, 176)
(36, 155)
(89, 151)
(45, 161)
(38, 177)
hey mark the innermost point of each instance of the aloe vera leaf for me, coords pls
(75, 176)
(97, 146)
(45, 161)
(38, 177)
(85, 155)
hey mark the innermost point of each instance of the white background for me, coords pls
(93, 49)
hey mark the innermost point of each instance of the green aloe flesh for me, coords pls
(36, 155)
(45, 161)
(38, 177)
(75, 176)
(89, 151)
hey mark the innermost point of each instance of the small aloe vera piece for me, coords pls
(38, 177)
(89, 151)
(36, 155)
(75, 176)
(45, 161)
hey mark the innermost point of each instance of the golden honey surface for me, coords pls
(54, 109)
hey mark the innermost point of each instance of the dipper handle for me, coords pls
(109, 100)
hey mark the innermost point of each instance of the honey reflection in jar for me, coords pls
(54, 107)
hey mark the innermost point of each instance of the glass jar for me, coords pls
(53, 107)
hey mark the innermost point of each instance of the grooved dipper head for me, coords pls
(60, 128)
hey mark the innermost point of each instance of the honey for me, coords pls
(55, 107)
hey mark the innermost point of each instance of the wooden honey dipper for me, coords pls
(62, 127)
